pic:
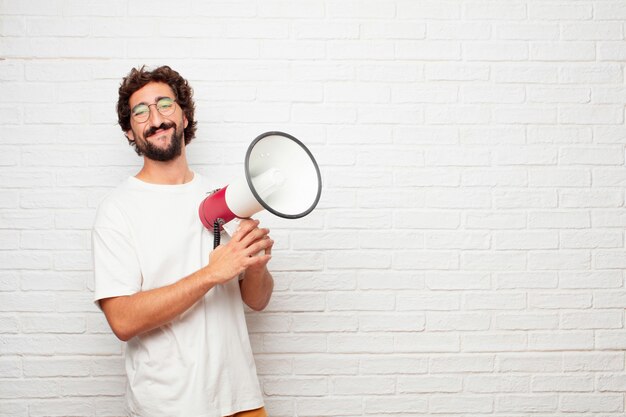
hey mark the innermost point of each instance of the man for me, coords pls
(177, 304)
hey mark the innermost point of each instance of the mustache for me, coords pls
(151, 131)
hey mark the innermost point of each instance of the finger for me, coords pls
(259, 246)
(254, 235)
(268, 250)
(258, 261)
(245, 226)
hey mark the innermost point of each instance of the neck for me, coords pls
(172, 172)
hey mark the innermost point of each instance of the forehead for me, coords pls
(150, 92)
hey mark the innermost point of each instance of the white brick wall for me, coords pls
(466, 257)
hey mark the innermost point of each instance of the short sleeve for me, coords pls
(116, 265)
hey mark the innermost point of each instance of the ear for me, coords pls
(185, 121)
(129, 135)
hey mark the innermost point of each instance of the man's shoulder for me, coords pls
(111, 204)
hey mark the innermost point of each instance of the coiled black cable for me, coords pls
(216, 234)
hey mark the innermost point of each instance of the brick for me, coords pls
(593, 361)
(612, 383)
(500, 261)
(494, 220)
(497, 383)
(295, 386)
(579, 239)
(436, 177)
(359, 259)
(549, 300)
(428, 50)
(457, 322)
(527, 31)
(460, 404)
(539, 155)
(526, 240)
(456, 71)
(51, 323)
(276, 343)
(592, 403)
(427, 220)
(389, 71)
(428, 301)
(429, 384)
(391, 322)
(492, 94)
(593, 279)
(297, 302)
(546, 260)
(526, 321)
(560, 134)
(440, 260)
(355, 301)
(559, 95)
(580, 31)
(396, 364)
(527, 403)
(591, 74)
(359, 385)
(609, 299)
(360, 343)
(525, 199)
(11, 367)
(525, 74)
(318, 407)
(585, 199)
(559, 219)
(592, 320)
(423, 94)
(611, 51)
(391, 30)
(556, 341)
(357, 50)
(456, 240)
(494, 342)
(530, 362)
(326, 30)
(458, 114)
(463, 362)
(427, 342)
(457, 281)
(511, 280)
(509, 51)
(597, 114)
(325, 365)
(457, 30)
(396, 404)
(610, 340)
(563, 51)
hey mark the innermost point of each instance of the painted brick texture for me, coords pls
(466, 257)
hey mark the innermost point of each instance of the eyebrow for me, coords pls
(155, 101)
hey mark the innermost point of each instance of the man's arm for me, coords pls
(131, 315)
(256, 288)
(257, 283)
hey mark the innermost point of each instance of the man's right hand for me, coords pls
(231, 259)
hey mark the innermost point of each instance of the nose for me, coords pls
(155, 117)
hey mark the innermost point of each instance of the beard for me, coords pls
(155, 153)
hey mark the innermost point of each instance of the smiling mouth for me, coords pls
(158, 133)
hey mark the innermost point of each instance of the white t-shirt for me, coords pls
(147, 236)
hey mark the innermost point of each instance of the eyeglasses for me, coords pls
(165, 106)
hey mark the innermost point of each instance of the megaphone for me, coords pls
(280, 176)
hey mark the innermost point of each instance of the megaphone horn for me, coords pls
(280, 175)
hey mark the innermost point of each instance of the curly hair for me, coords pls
(138, 78)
